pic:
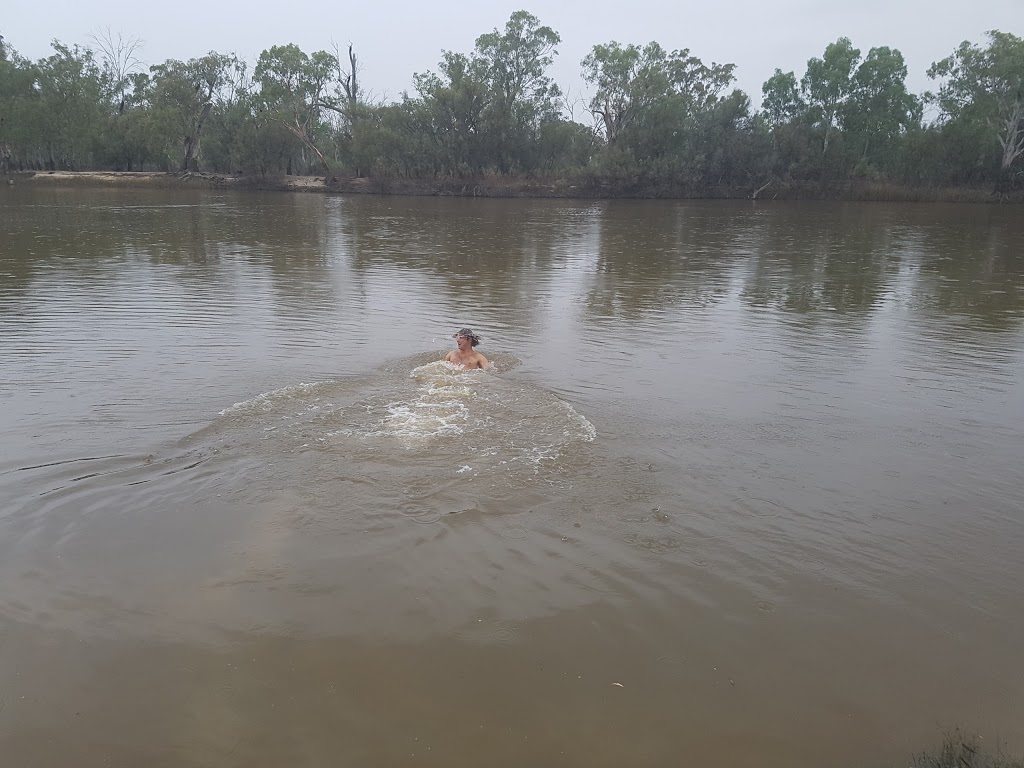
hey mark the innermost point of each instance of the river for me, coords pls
(743, 487)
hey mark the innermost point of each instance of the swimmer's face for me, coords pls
(464, 342)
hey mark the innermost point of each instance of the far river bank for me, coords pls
(497, 186)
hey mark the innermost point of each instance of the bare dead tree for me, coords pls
(120, 59)
(351, 83)
(571, 103)
(348, 78)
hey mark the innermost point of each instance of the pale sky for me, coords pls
(395, 39)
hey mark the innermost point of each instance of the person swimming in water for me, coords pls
(465, 356)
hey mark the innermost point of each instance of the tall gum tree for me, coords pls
(17, 93)
(879, 107)
(781, 102)
(986, 85)
(69, 86)
(827, 83)
(630, 81)
(294, 88)
(517, 61)
(184, 93)
(119, 58)
(450, 111)
(522, 96)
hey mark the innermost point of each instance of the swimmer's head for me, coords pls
(465, 333)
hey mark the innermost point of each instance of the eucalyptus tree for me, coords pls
(142, 137)
(628, 81)
(846, 112)
(631, 81)
(517, 61)
(66, 118)
(182, 95)
(662, 113)
(119, 60)
(522, 95)
(879, 109)
(985, 87)
(294, 89)
(699, 87)
(17, 92)
(793, 151)
(450, 112)
(781, 101)
(826, 85)
(488, 108)
(239, 134)
(394, 140)
(564, 145)
(247, 137)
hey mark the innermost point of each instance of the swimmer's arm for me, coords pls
(482, 361)
(448, 358)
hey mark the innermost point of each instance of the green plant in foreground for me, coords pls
(961, 750)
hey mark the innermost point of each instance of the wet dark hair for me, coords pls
(473, 338)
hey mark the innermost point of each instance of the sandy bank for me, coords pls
(160, 179)
(493, 185)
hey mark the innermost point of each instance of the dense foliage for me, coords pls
(654, 114)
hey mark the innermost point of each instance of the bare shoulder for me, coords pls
(481, 361)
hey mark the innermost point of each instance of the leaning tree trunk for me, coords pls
(300, 132)
(190, 162)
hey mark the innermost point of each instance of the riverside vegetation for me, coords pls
(964, 750)
(660, 122)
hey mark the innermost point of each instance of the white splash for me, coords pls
(266, 400)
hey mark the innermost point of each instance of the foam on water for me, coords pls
(440, 405)
(467, 421)
(418, 419)
(267, 401)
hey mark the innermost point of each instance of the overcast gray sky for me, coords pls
(395, 39)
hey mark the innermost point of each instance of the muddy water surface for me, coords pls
(743, 487)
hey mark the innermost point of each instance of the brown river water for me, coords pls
(744, 487)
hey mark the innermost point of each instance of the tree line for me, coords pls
(655, 114)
